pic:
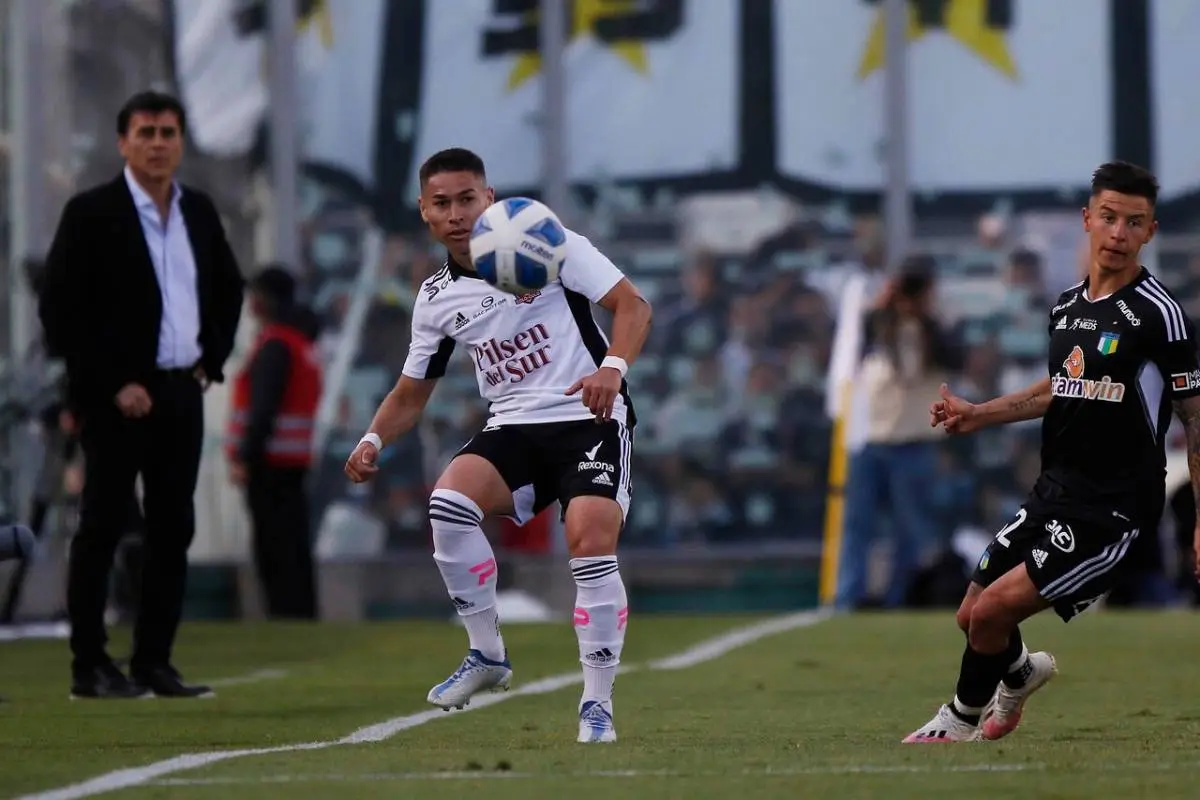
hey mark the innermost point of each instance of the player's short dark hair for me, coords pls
(1125, 178)
(452, 159)
(150, 102)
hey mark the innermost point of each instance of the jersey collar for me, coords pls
(457, 272)
(1141, 276)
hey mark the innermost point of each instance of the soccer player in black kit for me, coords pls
(1122, 355)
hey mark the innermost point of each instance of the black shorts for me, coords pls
(1073, 554)
(549, 461)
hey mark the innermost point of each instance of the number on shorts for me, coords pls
(1002, 536)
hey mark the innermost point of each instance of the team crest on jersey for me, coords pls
(1108, 343)
(529, 297)
(1074, 386)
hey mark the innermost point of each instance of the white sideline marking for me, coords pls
(257, 676)
(704, 651)
(768, 772)
(718, 646)
(477, 775)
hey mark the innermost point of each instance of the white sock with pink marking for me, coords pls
(468, 567)
(601, 611)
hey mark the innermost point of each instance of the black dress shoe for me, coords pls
(105, 682)
(166, 682)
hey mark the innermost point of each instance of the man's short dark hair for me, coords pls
(276, 283)
(1125, 178)
(150, 102)
(452, 159)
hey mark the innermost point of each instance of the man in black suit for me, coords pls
(142, 300)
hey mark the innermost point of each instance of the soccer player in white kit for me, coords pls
(560, 428)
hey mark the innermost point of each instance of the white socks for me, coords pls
(601, 610)
(468, 568)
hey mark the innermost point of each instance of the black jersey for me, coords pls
(1116, 365)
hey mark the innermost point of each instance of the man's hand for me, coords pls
(953, 413)
(600, 390)
(202, 378)
(238, 473)
(134, 400)
(360, 467)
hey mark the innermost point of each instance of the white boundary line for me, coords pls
(698, 654)
(488, 775)
(767, 772)
(258, 676)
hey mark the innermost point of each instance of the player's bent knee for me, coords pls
(963, 617)
(593, 525)
(990, 624)
(476, 478)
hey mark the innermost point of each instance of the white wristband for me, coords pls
(617, 363)
(374, 440)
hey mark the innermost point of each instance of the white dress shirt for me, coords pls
(175, 267)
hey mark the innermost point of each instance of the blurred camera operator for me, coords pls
(907, 357)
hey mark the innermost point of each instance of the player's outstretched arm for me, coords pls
(957, 415)
(396, 416)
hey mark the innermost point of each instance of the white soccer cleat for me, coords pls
(944, 727)
(596, 722)
(476, 674)
(1002, 714)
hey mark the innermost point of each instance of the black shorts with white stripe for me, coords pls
(1073, 554)
(544, 462)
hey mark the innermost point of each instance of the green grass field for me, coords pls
(815, 711)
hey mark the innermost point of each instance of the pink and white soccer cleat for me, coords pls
(1002, 714)
(944, 727)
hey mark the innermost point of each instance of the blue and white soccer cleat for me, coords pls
(596, 722)
(476, 674)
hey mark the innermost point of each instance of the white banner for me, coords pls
(1175, 64)
(660, 102)
(222, 81)
(220, 76)
(1005, 94)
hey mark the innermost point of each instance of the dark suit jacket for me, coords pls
(101, 306)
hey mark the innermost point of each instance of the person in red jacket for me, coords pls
(269, 443)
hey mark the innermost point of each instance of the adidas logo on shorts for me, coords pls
(602, 479)
(1039, 558)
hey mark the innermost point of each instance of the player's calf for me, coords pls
(468, 566)
(601, 609)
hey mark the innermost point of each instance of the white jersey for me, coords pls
(527, 350)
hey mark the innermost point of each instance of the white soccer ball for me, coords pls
(518, 245)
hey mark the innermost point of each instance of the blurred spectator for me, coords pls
(275, 399)
(695, 322)
(1025, 281)
(690, 415)
(908, 357)
(991, 230)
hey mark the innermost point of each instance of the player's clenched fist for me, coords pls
(360, 467)
(599, 391)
